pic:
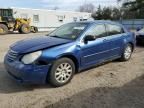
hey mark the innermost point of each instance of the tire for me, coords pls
(139, 42)
(127, 53)
(25, 29)
(34, 29)
(3, 29)
(59, 75)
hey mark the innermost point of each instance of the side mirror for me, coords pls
(89, 38)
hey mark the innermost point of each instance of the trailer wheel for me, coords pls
(34, 29)
(25, 29)
(3, 29)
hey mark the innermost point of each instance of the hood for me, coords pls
(34, 44)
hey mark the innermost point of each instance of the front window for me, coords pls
(69, 31)
(114, 29)
(98, 31)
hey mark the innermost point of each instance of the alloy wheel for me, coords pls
(63, 72)
(128, 52)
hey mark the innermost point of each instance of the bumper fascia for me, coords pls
(33, 74)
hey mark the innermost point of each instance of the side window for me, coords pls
(98, 31)
(114, 29)
(60, 18)
(36, 18)
(74, 19)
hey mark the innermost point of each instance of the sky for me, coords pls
(51, 4)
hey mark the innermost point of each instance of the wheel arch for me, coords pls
(131, 45)
(4, 23)
(73, 58)
(129, 41)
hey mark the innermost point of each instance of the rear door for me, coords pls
(114, 38)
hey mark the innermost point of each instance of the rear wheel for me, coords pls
(3, 29)
(127, 53)
(61, 72)
(24, 29)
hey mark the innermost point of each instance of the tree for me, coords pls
(86, 8)
(102, 13)
(134, 7)
(116, 14)
(107, 13)
(98, 14)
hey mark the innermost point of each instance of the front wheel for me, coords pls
(127, 53)
(61, 72)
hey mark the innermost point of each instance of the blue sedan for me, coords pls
(73, 47)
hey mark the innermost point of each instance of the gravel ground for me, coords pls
(111, 85)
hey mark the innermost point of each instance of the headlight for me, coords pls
(30, 58)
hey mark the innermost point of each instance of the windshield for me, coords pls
(69, 31)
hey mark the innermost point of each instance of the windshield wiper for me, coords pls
(56, 36)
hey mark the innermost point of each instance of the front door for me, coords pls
(94, 52)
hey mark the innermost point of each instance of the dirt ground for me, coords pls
(111, 85)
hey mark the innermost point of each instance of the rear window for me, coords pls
(114, 29)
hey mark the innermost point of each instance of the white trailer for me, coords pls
(47, 20)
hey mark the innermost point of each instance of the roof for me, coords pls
(47, 10)
(100, 21)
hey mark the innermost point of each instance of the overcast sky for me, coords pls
(50, 4)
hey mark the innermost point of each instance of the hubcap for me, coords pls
(128, 52)
(63, 72)
(1, 30)
(26, 29)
